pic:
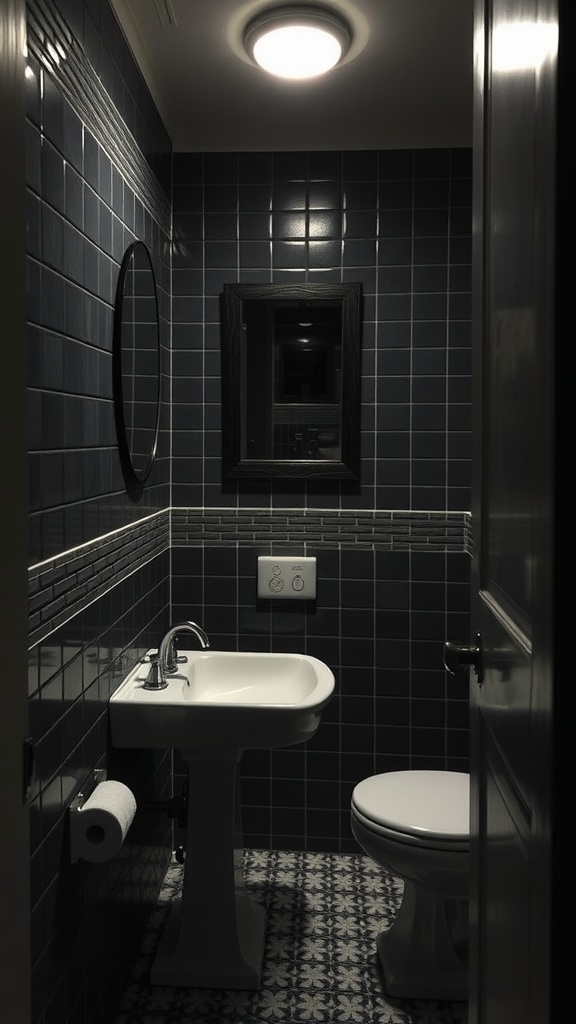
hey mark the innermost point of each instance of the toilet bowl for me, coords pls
(415, 824)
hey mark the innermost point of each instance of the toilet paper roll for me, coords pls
(99, 827)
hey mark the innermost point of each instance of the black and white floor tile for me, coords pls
(324, 911)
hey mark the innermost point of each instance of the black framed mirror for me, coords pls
(291, 380)
(136, 365)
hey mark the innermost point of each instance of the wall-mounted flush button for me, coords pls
(286, 578)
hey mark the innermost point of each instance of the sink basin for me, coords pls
(222, 699)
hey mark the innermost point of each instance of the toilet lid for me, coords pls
(420, 803)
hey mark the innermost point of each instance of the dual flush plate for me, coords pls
(286, 578)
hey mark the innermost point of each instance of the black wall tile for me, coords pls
(77, 494)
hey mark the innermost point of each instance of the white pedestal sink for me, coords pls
(216, 705)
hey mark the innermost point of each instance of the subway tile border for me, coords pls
(58, 52)
(397, 530)
(66, 584)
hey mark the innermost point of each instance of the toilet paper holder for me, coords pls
(100, 817)
(98, 775)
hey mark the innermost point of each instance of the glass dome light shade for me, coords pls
(297, 42)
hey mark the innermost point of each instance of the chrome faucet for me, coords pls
(167, 654)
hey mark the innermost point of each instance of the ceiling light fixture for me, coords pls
(297, 41)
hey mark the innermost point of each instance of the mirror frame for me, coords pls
(134, 478)
(234, 466)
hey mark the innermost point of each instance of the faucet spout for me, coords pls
(166, 648)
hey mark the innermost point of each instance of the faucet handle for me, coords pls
(155, 680)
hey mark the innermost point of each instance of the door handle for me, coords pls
(459, 655)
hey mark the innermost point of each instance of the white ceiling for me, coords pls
(407, 81)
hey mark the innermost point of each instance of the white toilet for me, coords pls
(415, 824)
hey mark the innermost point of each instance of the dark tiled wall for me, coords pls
(379, 621)
(98, 176)
(83, 212)
(88, 919)
(399, 222)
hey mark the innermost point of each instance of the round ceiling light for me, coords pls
(297, 41)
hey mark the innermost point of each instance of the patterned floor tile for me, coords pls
(323, 914)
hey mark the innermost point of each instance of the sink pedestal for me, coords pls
(214, 935)
(219, 704)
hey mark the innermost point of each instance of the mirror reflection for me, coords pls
(136, 364)
(293, 361)
(291, 380)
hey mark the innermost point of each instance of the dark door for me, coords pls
(516, 575)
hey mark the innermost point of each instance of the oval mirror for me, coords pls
(136, 364)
